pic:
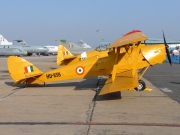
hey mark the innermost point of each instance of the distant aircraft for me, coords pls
(30, 49)
(12, 52)
(150, 41)
(52, 50)
(4, 41)
(74, 48)
(83, 44)
(172, 44)
(5, 50)
(124, 63)
(160, 41)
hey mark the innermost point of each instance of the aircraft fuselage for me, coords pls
(96, 66)
(29, 49)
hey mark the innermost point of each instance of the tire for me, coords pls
(141, 86)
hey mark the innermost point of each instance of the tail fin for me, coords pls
(83, 44)
(22, 42)
(64, 56)
(20, 69)
(68, 44)
(4, 41)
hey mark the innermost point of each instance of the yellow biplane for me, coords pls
(125, 62)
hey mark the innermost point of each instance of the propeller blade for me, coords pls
(167, 51)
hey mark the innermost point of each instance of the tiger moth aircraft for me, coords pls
(125, 62)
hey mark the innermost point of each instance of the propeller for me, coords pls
(167, 51)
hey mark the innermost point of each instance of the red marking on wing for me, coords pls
(131, 32)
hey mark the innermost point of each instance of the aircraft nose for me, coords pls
(154, 54)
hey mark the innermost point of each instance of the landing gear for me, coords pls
(141, 86)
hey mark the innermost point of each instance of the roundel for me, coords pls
(79, 70)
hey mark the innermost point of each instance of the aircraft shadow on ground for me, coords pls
(4, 71)
(110, 96)
(85, 84)
(15, 88)
(77, 85)
(82, 85)
(175, 82)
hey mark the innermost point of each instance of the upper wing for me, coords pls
(129, 38)
(24, 79)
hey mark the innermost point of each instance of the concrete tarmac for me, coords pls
(166, 78)
(74, 108)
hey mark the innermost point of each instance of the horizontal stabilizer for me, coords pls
(123, 81)
(70, 57)
(131, 37)
(24, 79)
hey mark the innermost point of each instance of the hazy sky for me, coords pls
(44, 21)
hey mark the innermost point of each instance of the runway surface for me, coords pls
(74, 108)
(166, 78)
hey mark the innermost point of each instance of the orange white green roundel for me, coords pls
(28, 69)
(79, 70)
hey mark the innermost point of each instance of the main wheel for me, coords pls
(141, 86)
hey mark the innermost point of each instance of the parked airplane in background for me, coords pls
(5, 50)
(160, 41)
(4, 41)
(52, 50)
(151, 41)
(83, 44)
(5, 45)
(12, 52)
(74, 48)
(31, 49)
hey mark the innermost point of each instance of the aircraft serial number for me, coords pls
(53, 75)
